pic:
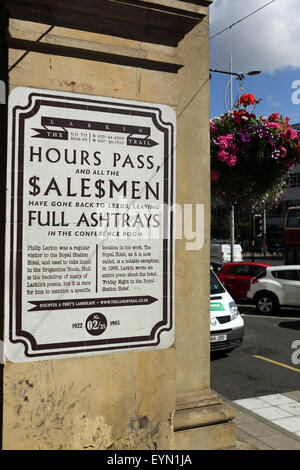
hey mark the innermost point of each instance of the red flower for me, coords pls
(246, 99)
(273, 117)
(237, 117)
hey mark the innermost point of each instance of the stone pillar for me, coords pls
(202, 421)
(112, 401)
(127, 400)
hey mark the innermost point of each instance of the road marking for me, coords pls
(276, 363)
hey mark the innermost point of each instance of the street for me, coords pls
(263, 364)
(271, 260)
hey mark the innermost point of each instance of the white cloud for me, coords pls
(267, 41)
(275, 103)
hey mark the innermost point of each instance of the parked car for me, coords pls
(236, 277)
(226, 323)
(222, 252)
(276, 287)
(275, 249)
(216, 266)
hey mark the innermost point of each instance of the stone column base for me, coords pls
(203, 422)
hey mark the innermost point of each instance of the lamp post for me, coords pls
(240, 76)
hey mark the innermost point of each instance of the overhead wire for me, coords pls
(242, 19)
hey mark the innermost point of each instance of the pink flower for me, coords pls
(223, 144)
(274, 125)
(290, 133)
(229, 137)
(212, 127)
(232, 160)
(282, 152)
(215, 175)
(222, 155)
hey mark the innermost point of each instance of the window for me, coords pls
(294, 179)
(293, 219)
(288, 275)
(241, 270)
(256, 270)
(215, 285)
(261, 274)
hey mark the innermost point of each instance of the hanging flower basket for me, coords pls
(251, 157)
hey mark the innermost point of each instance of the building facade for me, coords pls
(275, 217)
(139, 53)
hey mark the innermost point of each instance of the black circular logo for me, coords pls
(96, 324)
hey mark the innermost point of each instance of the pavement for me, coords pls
(270, 422)
(269, 258)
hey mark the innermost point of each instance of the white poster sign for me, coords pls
(90, 226)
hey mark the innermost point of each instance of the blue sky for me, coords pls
(268, 41)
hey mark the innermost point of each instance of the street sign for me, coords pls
(89, 233)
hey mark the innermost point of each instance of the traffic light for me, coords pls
(258, 225)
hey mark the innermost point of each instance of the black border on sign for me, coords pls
(95, 345)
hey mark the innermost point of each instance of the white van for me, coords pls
(226, 323)
(222, 252)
